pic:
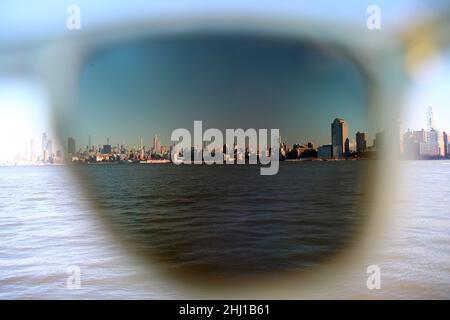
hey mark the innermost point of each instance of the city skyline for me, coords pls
(141, 150)
(415, 143)
(425, 143)
(429, 88)
(225, 80)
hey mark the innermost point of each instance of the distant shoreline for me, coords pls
(166, 163)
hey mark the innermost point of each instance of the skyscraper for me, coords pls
(339, 134)
(435, 146)
(156, 144)
(420, 136)
(380, 140)
(434, 143)
(71, 146)
(107, 147)
(44, 146)
(446, 153)
(347, 148)
(411, 148)
(49, 148)
(430, 119)
(142, 149)
(361, 142)
(32, 151)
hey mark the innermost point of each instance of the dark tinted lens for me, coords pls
(221, 220)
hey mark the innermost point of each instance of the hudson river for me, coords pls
(216, 221)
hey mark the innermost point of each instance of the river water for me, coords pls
(211, 220)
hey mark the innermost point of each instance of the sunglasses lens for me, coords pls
(224, 219)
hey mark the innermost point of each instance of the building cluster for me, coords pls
(43, 154)
(420, 144)
(340, 147)
(113, 153)
(337, 150)
(416, 145)
(426, 144)
(38, 153)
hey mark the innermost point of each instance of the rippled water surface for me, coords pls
(47, 225)
(222, 220)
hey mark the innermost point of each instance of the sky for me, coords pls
(429, 88)
(21, 21)
(23, 116)
(228, 81)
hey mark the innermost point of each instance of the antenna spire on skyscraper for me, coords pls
(430, 118)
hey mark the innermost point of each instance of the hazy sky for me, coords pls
(430, 88)
(22, 102)
(227, 81)
(23, 116)
(21, 19)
